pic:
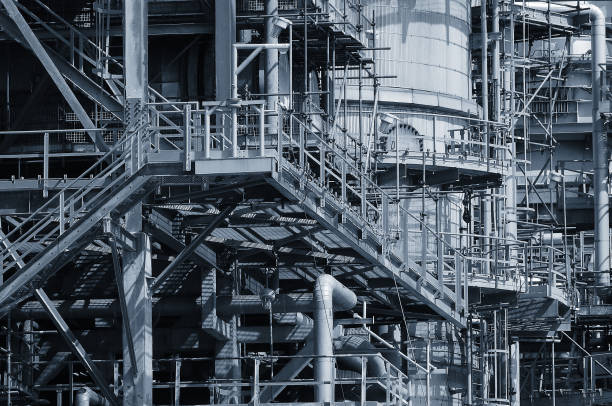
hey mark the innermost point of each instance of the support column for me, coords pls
(136, 72)
(515, 376)
(227, 364)
(135, 50)
(225, 36)
(138, 379)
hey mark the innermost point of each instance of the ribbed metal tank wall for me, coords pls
(430, 57)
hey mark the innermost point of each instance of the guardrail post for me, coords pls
(45, 165)
(388, 392)
(439, 247)
(552, 280)
(177, 382)
(385, 217)
(206, 134)
(62, 219)
(428, 382)
(363, 196)
(256, 383)
(364, 371)
(458, 276)
(187, 136)
(197, 132)
(279, 138)
(234, 132)
(424, 249)
(262, 129)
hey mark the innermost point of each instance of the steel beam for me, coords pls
(160, 227)
(122, 302)
(402, 269)
(288, 372)
(187, 252)
(75, 346)
(225, 36)
(211, 324)
(74, 236)
(54, 73)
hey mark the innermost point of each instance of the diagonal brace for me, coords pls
(54, 73)
(75, 345)
(186, 253)
(123, 303)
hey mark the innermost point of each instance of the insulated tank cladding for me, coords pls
(429, 55)
(426, 69)
(426, 84)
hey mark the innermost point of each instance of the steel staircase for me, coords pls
(37, 247)
(328, 184)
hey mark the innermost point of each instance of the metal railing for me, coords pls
(244, 129)
(69, 204)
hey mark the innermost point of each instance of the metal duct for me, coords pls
(329, 295)
(358, 344)
(599, 134)
(87, 397)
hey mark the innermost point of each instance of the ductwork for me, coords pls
(329, 295)
(355, 345)
(87, 397)
(599, 134)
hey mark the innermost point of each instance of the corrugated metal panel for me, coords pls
(429, 42)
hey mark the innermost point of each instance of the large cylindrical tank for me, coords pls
(423, 60)
(430, 54)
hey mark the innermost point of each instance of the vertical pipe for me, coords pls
(484, 39)
(328, 294)
(485, 207)
(271, 70)
(468, 355)
(397, 174)
(8, 87)
(600, 151)
(45, 164)
(70, 383)
(484, 367)
(495, 61)
(553, 376)
(306, 87)
(486, 203)
(8, 359)
(428, 382)
(495, 356)
(364, 362)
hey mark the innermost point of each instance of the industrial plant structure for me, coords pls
(305, 202)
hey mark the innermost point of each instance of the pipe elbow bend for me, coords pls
(597, 15)
(327, 288)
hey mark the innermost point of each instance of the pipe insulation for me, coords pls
(329, 296)
(87, 397)
(359, 344)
